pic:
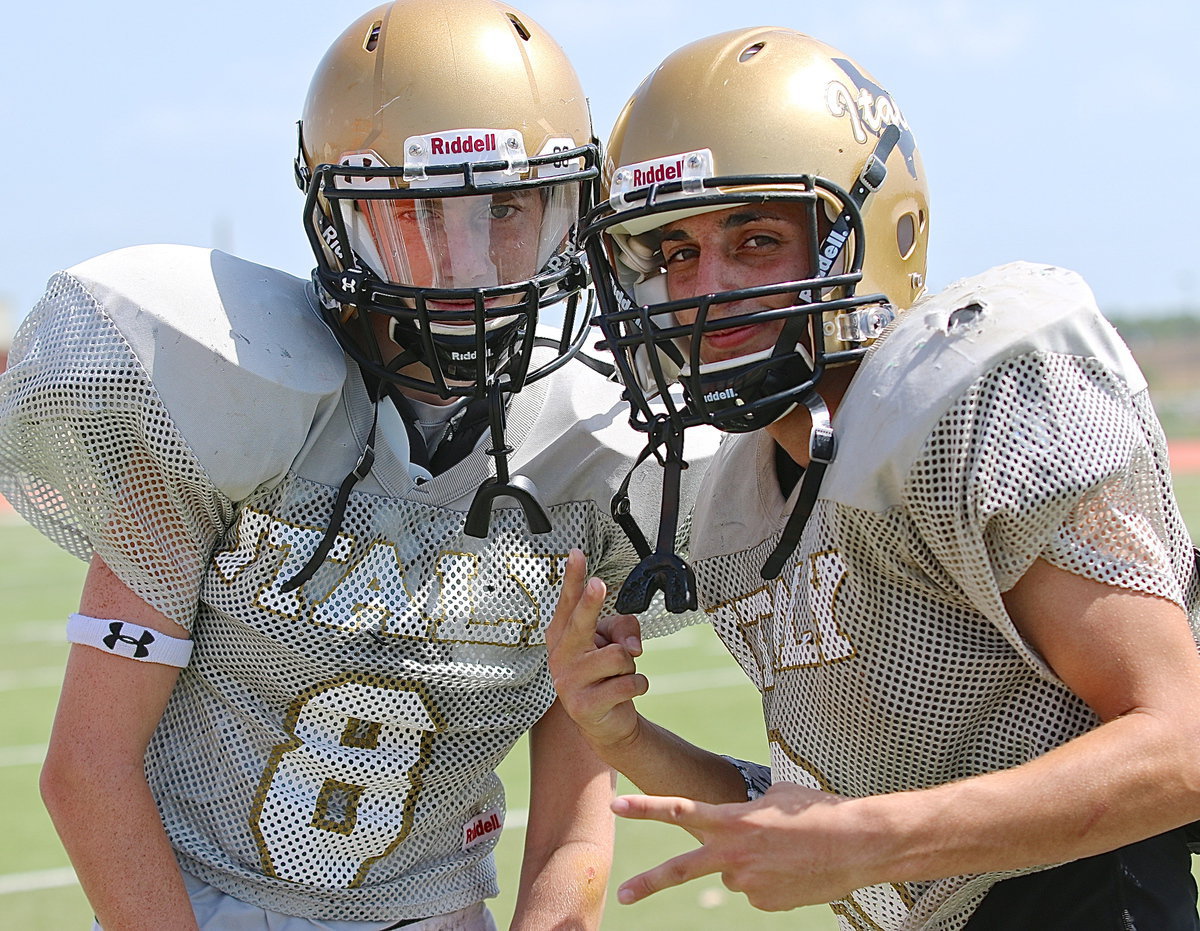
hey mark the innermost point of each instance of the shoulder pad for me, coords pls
(939, 348)
(576, 437)
(236, 351)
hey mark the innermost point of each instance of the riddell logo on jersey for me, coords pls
(480, 827)
(657, 173)
(462, 145)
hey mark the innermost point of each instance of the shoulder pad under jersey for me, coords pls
(939, 348)
(237, 352)
(582, 446)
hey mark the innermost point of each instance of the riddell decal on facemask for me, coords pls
(329, 234)
(481, 827)
(462, 145)
(726, 394)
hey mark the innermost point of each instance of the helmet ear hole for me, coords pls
(906, 235)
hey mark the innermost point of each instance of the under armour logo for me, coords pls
(349, 285)
(139, 644)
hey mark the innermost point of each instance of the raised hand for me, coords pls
(592, 662)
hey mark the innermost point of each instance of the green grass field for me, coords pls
(695, 689)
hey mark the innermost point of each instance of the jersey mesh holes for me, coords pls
(1046, 455)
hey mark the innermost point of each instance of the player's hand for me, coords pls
(783, 850)
(592, 663)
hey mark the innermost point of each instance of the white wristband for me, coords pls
(130, 640)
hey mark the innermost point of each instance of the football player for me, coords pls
(327, 521)
(940, 536)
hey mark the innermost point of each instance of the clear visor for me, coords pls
(468, 241)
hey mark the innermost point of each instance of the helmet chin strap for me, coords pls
(360, 471)
(822, 447)
(665, 571)
(519, 487)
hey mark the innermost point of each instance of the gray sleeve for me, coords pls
(757, 777)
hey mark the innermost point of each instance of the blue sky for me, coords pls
(1052, 131)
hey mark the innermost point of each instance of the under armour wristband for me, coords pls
(130, 640)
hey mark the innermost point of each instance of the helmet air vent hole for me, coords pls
(750, 51)
(520, 27)
(372, 40)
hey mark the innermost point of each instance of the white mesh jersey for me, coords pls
(329, 752)
(998, 422)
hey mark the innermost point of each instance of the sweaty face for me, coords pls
(738, 247)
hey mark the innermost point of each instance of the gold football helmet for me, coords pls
(447, 154)
(756, 117)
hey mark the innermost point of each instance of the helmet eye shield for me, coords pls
(468, 242)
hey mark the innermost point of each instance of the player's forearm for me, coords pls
(660, 762)
(111, 829)
(569, 836)
(1127, 780)
(567, 889)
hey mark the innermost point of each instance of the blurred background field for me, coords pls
(695, 689)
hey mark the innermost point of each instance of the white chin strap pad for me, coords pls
(648, 293)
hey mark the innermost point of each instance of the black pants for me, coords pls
(1147, 886)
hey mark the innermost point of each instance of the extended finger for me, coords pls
(673, 872)
(683, 812)
(578, 608)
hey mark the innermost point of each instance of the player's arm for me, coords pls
(1130, 656)
(569, 835)
(597, 680)
(93, 781)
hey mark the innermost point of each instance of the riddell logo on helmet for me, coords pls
(462, 145)
(726, 394)
(656, 174)
(463, 356)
